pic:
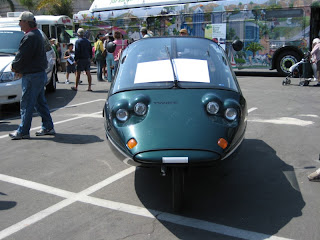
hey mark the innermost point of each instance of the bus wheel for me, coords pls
(285, 61)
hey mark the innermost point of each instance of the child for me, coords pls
(69, 55)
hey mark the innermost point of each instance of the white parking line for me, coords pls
(131, 209)
(63, 121)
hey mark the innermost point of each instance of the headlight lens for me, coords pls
(8, 77)
(140, 109)
(212, 107)
(122, 115)
(231, 114)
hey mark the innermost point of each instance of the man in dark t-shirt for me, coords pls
(30, 64)
(83, 54)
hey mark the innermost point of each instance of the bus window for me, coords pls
(63, 36)
(53, 32)
(45, 29)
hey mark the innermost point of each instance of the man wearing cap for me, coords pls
(144, 32)
(183, 32)
(83, 54)
(30, 64)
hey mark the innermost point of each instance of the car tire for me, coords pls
(51, 87)
(285, 60)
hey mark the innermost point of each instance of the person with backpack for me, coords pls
(109, 58)
(99, 55)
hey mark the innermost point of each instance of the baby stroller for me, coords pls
(302, 70)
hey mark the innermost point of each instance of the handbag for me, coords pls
(98, 56)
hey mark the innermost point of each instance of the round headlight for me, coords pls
(122, 115)
(140, 109)
(212, 107)
(231, 114)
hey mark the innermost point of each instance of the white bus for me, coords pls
(275, 33)
(58, 27)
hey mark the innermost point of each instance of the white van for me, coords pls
(10, 87)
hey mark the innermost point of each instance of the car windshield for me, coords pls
(184, 62)
(10, 41)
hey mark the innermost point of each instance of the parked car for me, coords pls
(10, 87)
(175, 103)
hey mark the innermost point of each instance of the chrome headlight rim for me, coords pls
(231, 114)
(122, 115)
(140, 109)
(212, 107)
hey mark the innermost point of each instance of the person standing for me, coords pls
(145, 33)
(30, 63)
(98, 45)
(315, 56)
(69, 56)
(83, 53)
(109, 58)
(120, 45)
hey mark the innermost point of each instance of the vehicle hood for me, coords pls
(5, 62)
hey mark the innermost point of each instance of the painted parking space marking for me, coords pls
(284, 121)
(252, 109)
(127, 208)
(79, 116)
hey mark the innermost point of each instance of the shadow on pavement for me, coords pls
(254, 191)
(71, 138)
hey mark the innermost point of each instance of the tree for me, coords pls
(11, 5)
(56, 7)
(254, 47)
(31, 5)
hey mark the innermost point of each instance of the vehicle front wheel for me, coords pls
(51, 87)
(285, 61)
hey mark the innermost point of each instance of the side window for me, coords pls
(45, 29)
(47, 45)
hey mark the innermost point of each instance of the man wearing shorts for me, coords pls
(83, 54)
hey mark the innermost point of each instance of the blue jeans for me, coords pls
(33, 98)
(110, 62)
(100, 64)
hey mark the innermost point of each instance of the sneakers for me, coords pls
(67, 82)
(315, 176)
(18, 135)
(43, 132)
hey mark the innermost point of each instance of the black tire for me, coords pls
(52, 85)
(285, 60)
(177, 188)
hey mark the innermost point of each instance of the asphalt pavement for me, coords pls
(72, 186)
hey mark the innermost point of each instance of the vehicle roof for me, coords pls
(41, 19)
(10, 28)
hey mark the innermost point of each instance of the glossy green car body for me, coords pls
(176, 128)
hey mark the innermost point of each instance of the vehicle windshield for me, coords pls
(10, 41)
(183, 62)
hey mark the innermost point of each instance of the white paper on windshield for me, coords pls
(155, 71)
(187, 70)
(192, 70)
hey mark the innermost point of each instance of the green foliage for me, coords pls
(239, 61)
(254, 47)
(56, 7)
(31, 5)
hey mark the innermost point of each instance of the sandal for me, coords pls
(74, 89)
